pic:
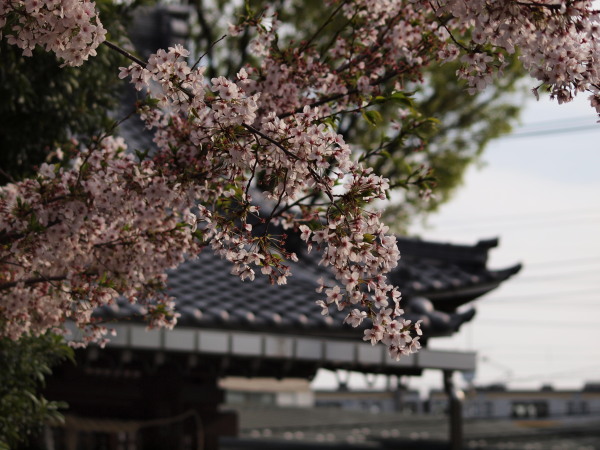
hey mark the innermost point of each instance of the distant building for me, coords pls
(496, 402)
(289, 392)
(159, 389)
(399, 400)
(146, 387)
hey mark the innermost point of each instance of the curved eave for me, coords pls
(449, 299)
(264, 354)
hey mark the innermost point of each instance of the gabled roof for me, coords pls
(209, 297)
(447, 274)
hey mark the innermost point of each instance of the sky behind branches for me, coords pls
(539, 192)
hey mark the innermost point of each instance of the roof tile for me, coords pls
(208, 296)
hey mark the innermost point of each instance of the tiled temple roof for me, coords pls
(209, 297)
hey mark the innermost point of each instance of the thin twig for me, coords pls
(208, 50)
(41, 279)
(7, 175)
(322, 27)
(270, 139)
(296, 203)
(279, 200)
(125, 53)
(554, 6)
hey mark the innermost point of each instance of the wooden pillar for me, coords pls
(455, 406)
(169, 394)
(70, 438)
(176, 409)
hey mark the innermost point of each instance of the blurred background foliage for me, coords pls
(443, 129)
(44, 106)
(25, 364)
(428, 140)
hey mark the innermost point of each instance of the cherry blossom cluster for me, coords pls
(111, 225)
(558, 42)
(75, 239)
(383, 43)
(69, 28)
(220, 133)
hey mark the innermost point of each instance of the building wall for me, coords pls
(522, 404)
(290, 392)
(479, 403)
(373, 401)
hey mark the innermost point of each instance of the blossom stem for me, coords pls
(322, 27)
(125, 53)
(11, 284)
(210, 47)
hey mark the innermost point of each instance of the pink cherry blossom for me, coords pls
(355, 317)
(69, 28)
(77, 237)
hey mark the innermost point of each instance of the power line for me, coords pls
(542, 358)
(558, 217)
(560, 352)
(555, 375)
(556, 122)
(562, 262)
(538, 214)
(531, 222)
(549, 127)
(574, 303)
(550, 294)
(577, 305)
(556, 276)
(537, 323)
(551, 131)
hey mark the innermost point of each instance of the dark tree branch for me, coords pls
(125, 53)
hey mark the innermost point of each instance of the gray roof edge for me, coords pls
(246, 344)
(444, 251)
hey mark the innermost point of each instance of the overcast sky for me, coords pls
(539, 192)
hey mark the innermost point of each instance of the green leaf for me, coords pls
(372, 117)
(403, 98)
(142, 155)
(151, 101)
